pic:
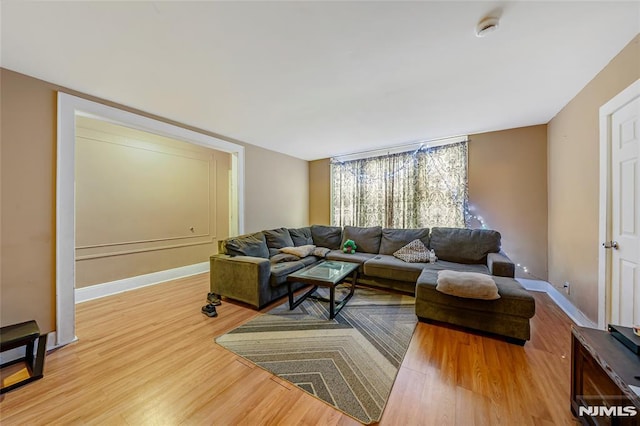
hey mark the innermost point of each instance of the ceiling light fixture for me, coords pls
(486, 26)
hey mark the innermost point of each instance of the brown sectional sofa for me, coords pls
(249, 271)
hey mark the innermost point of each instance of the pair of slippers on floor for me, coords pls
(210, 308)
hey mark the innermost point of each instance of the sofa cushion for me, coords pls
(283, 257)
(386, 266)
(367, 239)
(327, 236)
(278, 238)
(247, 245)
(394, 239)
(514, 299)
(309, 260)
(413, 252)
(273, 252)
(442, 265)
(356, 257)
(301, 236)
(470, 285)
(464, 245)
(280, 271)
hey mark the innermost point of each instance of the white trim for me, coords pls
(604, 230)
(563, 303)
(401, 148)
(12, 354)
(68, 107)
(65, 223)
(126, 284)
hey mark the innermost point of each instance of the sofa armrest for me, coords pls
(242, 278)
(500, 265)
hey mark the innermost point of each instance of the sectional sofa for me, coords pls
(252, 269)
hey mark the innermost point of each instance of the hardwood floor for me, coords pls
(148, 357)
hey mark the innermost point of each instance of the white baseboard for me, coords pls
(85, 294)
(13, 354)
(569, 308)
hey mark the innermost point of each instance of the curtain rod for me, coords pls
(400, 148)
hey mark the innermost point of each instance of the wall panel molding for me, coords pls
(142, 250)
(110, 157)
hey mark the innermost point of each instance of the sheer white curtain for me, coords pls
(423, 188)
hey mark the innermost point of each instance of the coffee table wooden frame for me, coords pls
(331, 284)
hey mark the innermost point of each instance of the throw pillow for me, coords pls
(367, 239)
(462, 245)
(327, 236)
(278, 238)
(470, 285)
(283, 257)
(321, 251)
(413, 252)
(393, 239)
(301, 236)
(302, 251)
(247, 245)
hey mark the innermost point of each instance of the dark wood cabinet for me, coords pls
(602, 369)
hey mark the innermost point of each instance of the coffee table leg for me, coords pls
(290, 293)
(353, 282)
(294, 304)
(335, 309)
(332, 302)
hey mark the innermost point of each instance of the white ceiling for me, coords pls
(317, 79)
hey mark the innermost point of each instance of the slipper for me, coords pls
(213, 299)
(209, 310)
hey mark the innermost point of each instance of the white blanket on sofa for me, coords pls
(471, 285)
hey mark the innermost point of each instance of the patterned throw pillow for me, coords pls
(413, 252)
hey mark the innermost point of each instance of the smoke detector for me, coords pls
(486, 26)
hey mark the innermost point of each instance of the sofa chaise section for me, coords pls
(507, 316)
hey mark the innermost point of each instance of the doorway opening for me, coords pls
(619, 233)
(69, 107)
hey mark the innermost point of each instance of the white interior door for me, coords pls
(625, 208)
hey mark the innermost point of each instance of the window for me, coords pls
(422, 188)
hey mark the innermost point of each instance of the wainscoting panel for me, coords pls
(138, 193)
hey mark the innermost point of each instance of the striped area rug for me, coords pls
(349, 362)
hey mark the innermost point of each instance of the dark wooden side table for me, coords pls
(24, 334)
(602, 370)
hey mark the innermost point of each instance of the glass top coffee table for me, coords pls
(328, 273)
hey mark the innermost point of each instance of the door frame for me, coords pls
(604, 234)
(68, 107)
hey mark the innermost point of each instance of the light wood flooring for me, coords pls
(148, 357)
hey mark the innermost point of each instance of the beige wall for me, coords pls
(27, 290)
(29, 114)
(320, 192)
(508, 189)
(276, 190)
(145, 203)
(573, 146)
